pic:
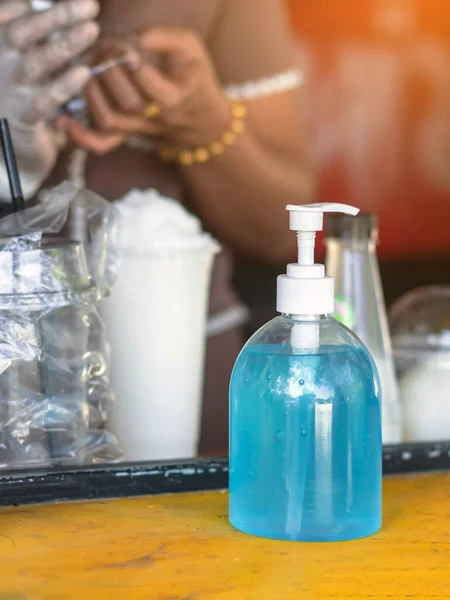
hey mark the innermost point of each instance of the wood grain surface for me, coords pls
(181, 547)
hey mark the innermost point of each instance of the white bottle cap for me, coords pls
(305, 289)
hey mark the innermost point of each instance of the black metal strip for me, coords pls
(128, 480)
(117, 481)
(416, 458)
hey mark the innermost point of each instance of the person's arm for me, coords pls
(240, 195)
(269, 165)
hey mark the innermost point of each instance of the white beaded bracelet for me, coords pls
(269, 86)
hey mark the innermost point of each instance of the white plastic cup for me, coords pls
(156, 322)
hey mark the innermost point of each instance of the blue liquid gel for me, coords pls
(305, 444)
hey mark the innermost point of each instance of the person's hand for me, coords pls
(184, 102)
(35, 78)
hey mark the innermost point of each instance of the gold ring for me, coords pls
(151, 111)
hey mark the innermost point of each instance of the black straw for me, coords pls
(17, 198)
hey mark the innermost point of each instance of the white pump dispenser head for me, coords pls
(305, 290)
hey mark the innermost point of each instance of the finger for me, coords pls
(40, 62)
(157, 86)
(111, 45)
(176, 43)
(13, 10)
(56, 94)
(107, 119)
(33, 28)
(93, 141)
(123, 91)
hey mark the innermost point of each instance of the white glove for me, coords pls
(34, 49)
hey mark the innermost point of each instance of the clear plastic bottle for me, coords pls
(305, 418)
(352, 262)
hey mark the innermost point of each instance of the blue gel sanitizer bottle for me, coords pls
(305, 416)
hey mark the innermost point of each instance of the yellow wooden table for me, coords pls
(181, 547)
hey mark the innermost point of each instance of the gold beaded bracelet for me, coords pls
(169, 154)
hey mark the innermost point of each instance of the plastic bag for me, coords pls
(54, 357)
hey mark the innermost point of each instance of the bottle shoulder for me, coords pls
(278, 334)
(330, 371)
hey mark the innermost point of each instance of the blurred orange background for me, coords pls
(377, 101)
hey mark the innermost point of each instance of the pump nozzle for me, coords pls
(306, 221)
(305, 290)
(310, 216)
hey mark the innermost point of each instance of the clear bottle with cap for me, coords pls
(305, 417)
(352, 261)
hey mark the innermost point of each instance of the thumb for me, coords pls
(175, 44)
